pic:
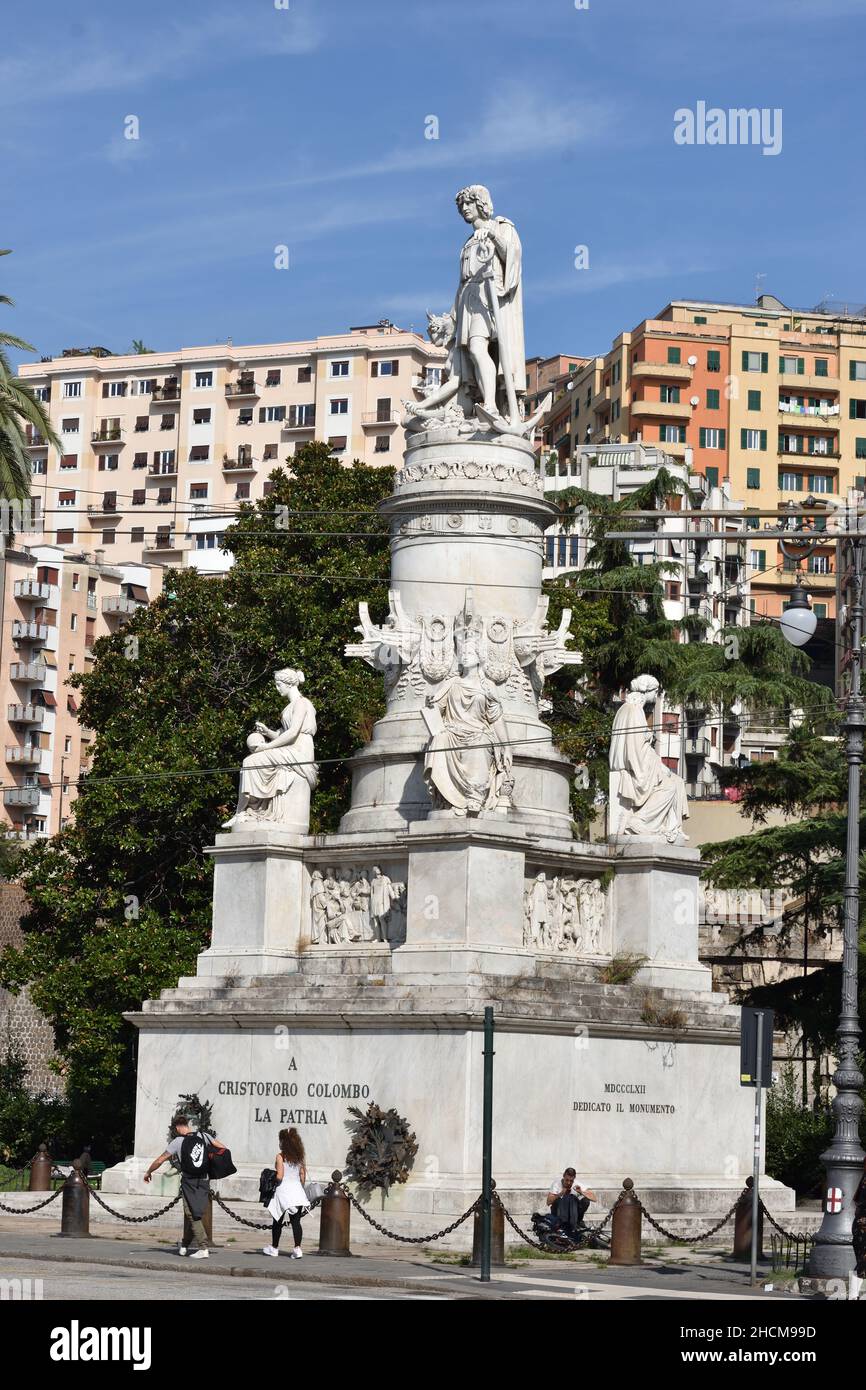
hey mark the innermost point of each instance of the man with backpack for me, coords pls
(189, 1154)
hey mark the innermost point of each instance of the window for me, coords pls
(73, 622)
(39, 466)
(245, 416)
(791, 482)
(856, 410)
(273, 377)
(616, 374)
(860, 448)
(305, 374)
(139, 460)
(792, 366)
(136, 535)
(199, 453)
(67, 462)
(700, 318)
(383, 444)
(340, 368)
(66, 499)
(818, 564)
(163, 461)
(712, 476)
(339, 406)
(821, 482)
(42, 393)
(714, 361)
(753, 439)
(819, 444)
(67, 744)
(138, 496)
(754, 400)
(821, 364)
(712, 438)
(163, 496)
(167, 422)
(387, 367)
(670, 395)
(71, 426)
(432, 376)
(672, 434)
(144, 387)
(302, 416)
(72, 390)
(65, 537)
(114, 388)
(753, 477)
(108, 463)
(198, 492)
(337, 443)
(203, 381)
(712, 400)
(820, 610)
(242, 491)
(270, 452)
(755, 361)
(674, 355)
(141, 424)
(201, 416)
(857, 371)
(790, 443)
(269, 414)
(108, 537)
(758, 559)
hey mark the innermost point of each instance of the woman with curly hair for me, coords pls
(289, 1197)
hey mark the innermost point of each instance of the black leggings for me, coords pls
(277, 1229)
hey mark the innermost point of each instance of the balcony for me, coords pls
(106, 436)
(375, 417)
(108, 507)
(664, 371)
(23, 757)
(169, 391)
(118, 605)
(600, 403)
(33, 439)
(162, 545)
(306, 421)
(162, 470)
(30, 589)
(25, 714)
(27, 797)
(244, 389)
(809, 381)
(662, 410)
(33, 671)
(29, 632)
(242, 464)
(697, 746)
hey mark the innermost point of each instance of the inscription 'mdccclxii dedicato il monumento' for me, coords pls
(618, 1107)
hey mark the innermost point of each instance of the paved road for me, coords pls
(85, 1283)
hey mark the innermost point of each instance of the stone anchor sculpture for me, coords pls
(280, 772)
(647, 799)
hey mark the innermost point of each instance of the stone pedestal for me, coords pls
(260, 886)
(655, 909)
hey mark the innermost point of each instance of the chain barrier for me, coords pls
(407, 1240)
(258, 1225)
(789, 1235)
(690, 1239)
(537, 1245)
(133, 1220)
(24, 1211)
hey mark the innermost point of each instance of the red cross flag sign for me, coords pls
(834, 1199)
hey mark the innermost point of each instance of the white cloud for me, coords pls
(603, 274)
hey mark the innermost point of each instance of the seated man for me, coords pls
(568, 1202)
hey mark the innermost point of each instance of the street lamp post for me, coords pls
(833, 1252)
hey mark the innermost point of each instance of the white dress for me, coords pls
(289, 1195)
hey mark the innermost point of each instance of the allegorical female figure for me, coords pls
(280, 772)
(468, 762)
(646, 798)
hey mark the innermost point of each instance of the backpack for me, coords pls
(267, 1185)
(194, 1156)
(220, 1163)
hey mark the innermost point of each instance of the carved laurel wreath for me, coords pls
(382, 1149)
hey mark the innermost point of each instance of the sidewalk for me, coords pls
(678, 1275)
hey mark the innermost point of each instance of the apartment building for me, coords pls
(712, 583)
(56, 603)
(768, 398)
(152, 441)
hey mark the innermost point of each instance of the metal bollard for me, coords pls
(743, 1227)
(75, 1220)
(334, 1228)
(625, 1230)
(497, 1234)
(40, 1170)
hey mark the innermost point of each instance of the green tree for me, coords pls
(121, 898)
(138, 346)
(19, 408)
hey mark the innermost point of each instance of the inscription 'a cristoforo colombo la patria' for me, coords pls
(293, 1090)
(618, 1107)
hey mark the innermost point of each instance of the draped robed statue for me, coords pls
(647, 799)
(280, 772)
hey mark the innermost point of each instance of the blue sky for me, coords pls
(304, 126)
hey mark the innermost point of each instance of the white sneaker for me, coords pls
(181, 1250)
(199, 1254)
(297, 1253)
(270, 1250)
(855, 1284)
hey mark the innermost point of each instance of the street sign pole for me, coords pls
(756, 1157)
(487, 1148)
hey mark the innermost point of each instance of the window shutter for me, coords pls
(764, 440)
(723, 439)
(852, 414)
(781, 365)
(702, 437)
(801, 365)
(765, 361)
(742, 439)
(851, 376)
(745, 361)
